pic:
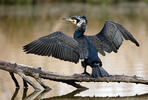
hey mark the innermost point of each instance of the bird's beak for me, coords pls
(68, 19)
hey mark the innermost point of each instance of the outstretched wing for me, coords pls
(57, 45)
(111, 37)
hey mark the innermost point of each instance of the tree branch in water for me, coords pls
(37, 73)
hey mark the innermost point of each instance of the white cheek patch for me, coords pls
(81, 22)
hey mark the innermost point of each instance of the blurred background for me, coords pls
(22, 21)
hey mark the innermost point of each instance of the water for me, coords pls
(20, 25)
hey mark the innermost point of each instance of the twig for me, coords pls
(28, 81)
(39, 80)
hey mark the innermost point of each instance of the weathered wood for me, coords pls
(28, 81)
(71, 79)
(39, 80)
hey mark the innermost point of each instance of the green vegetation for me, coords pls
(33, 2)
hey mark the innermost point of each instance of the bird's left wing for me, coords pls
(111, 37)
(57, 45)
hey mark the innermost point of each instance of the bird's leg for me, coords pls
(84, 65)
(85, 70)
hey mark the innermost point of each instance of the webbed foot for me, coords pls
(86, 73)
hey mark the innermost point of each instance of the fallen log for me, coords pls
(37, 73)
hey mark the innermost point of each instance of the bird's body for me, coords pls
(86, 49)
(82, 47)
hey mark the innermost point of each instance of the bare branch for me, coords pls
(38, 73)
(39, 80)
(28, 80)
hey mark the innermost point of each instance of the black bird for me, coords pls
(83, 47)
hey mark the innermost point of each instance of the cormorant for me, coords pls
(81, 46)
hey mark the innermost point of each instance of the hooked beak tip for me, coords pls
(64, 18)
(67, 19)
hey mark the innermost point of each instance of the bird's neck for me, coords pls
(79, 32)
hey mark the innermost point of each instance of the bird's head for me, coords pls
(77, 20)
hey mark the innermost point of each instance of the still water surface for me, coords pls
(20, 25)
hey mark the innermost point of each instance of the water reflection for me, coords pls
(15, 94)
(20, 25)
(39, 95)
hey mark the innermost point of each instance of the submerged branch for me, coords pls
(38, 73)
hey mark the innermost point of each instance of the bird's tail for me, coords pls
(99, 71)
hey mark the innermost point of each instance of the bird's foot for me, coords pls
(86, 74)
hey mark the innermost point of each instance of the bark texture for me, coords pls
(37, 73)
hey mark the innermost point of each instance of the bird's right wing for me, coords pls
(57, 45)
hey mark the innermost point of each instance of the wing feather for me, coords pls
(110, 38)
(57, 45)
